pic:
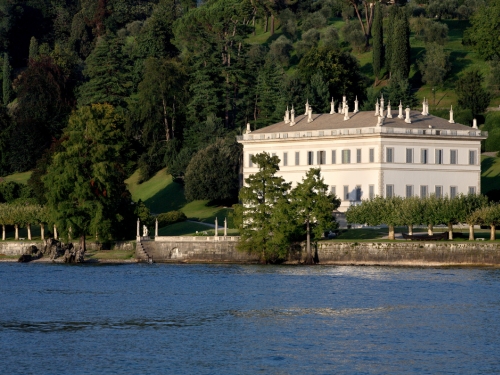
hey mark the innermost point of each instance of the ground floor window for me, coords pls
(424, 191)
(409, 191)
(472, 190)
(453, 191)
(439, 191)
(371, 191)
(389, 191)
(346, 192)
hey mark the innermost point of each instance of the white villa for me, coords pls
(381, 152)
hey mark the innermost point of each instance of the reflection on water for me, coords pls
(231, 319)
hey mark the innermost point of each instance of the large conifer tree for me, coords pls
(400, 46)
(378, 42)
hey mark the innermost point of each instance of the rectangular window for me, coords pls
(439, 192)
(472, 190)
(285, 159)
(424, 156)
(321, 157)
(250, 163)
(409, 155)
(346, 192)
(409, 191)
(372, 155)
(389, 191)
(310, 158)
(334, 156)
(358, 192)
(273, 154)
(297, 158)
(333, 190)
(439, 156)
(389, 155)
(358, 155)
(453, 156)
(472, 157)
(423, 191)
(453, 191)
(371, 191)
(346, 156)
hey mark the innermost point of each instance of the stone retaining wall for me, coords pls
(18, 248)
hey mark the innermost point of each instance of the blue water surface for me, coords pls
(232, 319)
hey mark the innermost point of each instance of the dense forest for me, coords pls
(178, 79)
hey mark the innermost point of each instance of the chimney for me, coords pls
(389, 113)
(356, 105)
(287, 116)
(340, 108)
(344, 101)
(382, 106)
(451, 116)
(248, 129)
(474, 124)
(332, 107)
(407, 119)
(377, 109)
(400, 110)
(310, 114)
(346, 112)
(423, 107)
(292, 122)
(307, 108)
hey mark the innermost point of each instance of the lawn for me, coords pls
(490, 173)
(20, 178)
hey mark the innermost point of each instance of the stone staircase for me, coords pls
(141, 253)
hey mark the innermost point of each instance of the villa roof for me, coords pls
(361, 120)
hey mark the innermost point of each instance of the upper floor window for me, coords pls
(439, 192)
(453, 156)
(321, 157)
(371, 191)
(389, 156)
(389, 191)
(423, 191)
(472, 157)
(453, 191)
(346, 156)
(439, 156)
(358, 155)
(334, 156)
(409, 155)
(310, 158)
(409, 191)
(285, 159)
(372, 155)
(250, 163)
(358, 192)
(424, 156)
(346, 192)
(472, 190)
(297, 158)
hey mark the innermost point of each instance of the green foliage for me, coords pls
(354, 35)
(86, 193)
(471, 94)
(330, 37)
(435, 65)
(400, 46)
(280, 50)
(378, 41)
(262, 194)
(213, 172)
(33, 51)
(339, 69)
(9, 191)
(481, 34)
(399, 89)
(170, 217)
(6, 80)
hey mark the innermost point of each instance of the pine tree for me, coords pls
(400, 46)
(33, 51)
(263, 196)
(378, 42)
(85, 189)
(313, 207)
(6, 80)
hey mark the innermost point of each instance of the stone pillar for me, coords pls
(42, 231)
(332, 107)
(225, 227)
(138, 227)
(156, 228)
(55, 232)
(356, 105)
(346, 113)
(389, 111)
(3, 232)
(408, 119)
(216, 228)
(29, 231)
(400, 110)
(451, 116)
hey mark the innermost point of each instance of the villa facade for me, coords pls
(364, 154)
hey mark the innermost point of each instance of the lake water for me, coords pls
(231, 319)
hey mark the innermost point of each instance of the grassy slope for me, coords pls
(20, 178)
(490, 173)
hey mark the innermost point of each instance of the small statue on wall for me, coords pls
(144, 231)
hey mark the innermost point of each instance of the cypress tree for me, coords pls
(393, 10)
(400, 46)
(33, 51)
(378, 42)
(7, 86)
